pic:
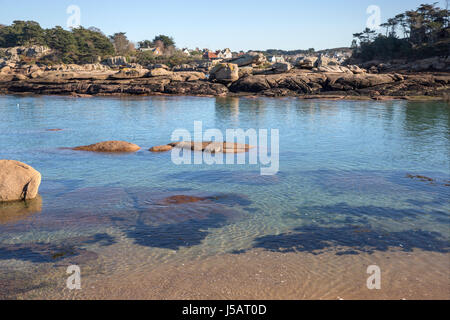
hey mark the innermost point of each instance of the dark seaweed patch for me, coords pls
(175, 235)
(316, 238)
(71, 250)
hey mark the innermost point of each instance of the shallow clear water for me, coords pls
(343, 183)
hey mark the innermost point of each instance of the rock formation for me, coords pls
(110, 146)
(18, 181)
(225, 73)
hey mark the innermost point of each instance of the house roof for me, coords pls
(210, 55)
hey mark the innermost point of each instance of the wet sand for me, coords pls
(264, 275)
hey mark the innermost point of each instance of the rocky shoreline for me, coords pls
(249, 75)
(292, 84)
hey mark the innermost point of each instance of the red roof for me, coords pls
(210, 55)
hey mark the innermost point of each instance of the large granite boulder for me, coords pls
(225, 73)
(245, 72)
(251, 58)
(158, 72)
(356, 70)
(306, 62)
(191, 76)
(323, 61)
(110, 146)
(19, 77)
(5, 69)
(281, 67)
(18, 181)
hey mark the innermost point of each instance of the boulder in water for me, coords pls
(110, 146)
(18, 181)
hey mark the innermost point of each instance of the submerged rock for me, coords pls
(18, 181)
(183, 199)
(15, 211)
(110, 146)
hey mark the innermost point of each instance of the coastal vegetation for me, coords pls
(83, 46)
(79, 45)
(414, 34)
(418, 34)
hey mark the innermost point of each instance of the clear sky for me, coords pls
(237, 24)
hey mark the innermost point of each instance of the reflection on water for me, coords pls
(343, 184)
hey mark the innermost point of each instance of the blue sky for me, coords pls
(237, 24)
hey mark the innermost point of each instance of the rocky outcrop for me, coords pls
(110, 146)
(165, 148)
(116, 62)
(356, 70)
(159, 66)
(245, 72)
(187, 67)
(34, 52)
(440, 64)
(18, 181)
(202, 88)
(306, 62)
(281, 67)
(341, 81)
(213, 147)
(346, 84)
(251, 58)
(188, 76)
(178, 84)
(324, 61)
(224, 73)
(128, 73)
(92, 67)
(157, 72)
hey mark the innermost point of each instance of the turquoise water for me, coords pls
(343, 184)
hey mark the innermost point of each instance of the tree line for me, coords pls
(78, 45)
(419, 33)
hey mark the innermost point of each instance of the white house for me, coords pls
(225, 54)
(277, 59)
